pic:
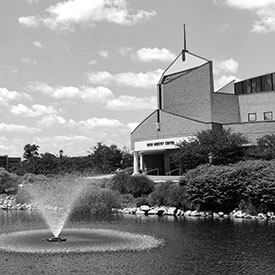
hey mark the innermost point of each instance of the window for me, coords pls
(239, 88)
(247, 86)
(252, 117)
(268, 115)
(267, 82)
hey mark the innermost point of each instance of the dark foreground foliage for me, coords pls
(249, 184)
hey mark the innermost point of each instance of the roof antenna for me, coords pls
(184, 44)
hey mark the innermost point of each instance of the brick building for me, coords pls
(187, 103)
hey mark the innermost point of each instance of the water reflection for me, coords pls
(192, 246)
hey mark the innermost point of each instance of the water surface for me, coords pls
(192, 246)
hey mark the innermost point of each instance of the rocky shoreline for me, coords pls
(173, 211)
(9, 203)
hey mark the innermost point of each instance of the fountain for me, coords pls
(55, 199)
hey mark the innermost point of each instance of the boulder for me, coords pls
(187, 213)
(171, 211)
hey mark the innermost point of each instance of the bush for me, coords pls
(126, 200)
(96, 201)
(8, 182)
(23, 196)
(119, 182)
(169, 194)
(223, 188)
(139, 185)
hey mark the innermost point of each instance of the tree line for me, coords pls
(102, 159)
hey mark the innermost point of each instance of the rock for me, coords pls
(171, 211)
(195, 213)
(215, 215)
(144, 207)
(140, 212)
(187, 213)
(239, 214)
(180, 213)
(162, 211)
(261, 216)
(153, 211)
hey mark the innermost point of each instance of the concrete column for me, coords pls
(141, 165)
(135, 153)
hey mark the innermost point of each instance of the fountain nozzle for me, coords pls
(56, 239)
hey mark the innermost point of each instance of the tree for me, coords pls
(265, 148)
(31, 152)
(217, 147)
(105, 158)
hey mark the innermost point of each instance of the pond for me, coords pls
(189, 246)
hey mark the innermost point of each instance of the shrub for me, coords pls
(8, 182)
(96, 201)
(139, 185)
(223, 188)
(169, 194)
(126, 200)
(23, 196)
(119, 182)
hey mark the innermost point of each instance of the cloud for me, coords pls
(132, 125)
(6, 96)
(125, 102)
(10, 69)
(32, 1)
(39, 45)
(65, 15)
(92, 62)
(35, 111)
(224, 71)
(26, 60)
(130, 79)
(264, 11)
(18, 128)
(51, 120)
(97, 95)
(228, 66)
(154, 54)
(125, 50)
(104, 54)
(95, 123)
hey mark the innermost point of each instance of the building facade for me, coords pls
(9, 162)
(187, 103)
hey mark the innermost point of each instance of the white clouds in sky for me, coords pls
(130, 79)
(96, 95)
(7, 96)
(18, 128)
(264, 10)
(148, 54)
(26, 60)
(35, 111)
(51, 120)
(39, 45)
(65, 15)
(104, 54)
(224, 71)
(125, 102)
(154, 54)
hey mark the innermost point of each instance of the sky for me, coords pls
(77, 72)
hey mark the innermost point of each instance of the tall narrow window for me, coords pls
(239, 88)
(268, 115)
(252, 117)
(247, 86)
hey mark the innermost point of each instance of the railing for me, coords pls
(155, 169)
(173, 171)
